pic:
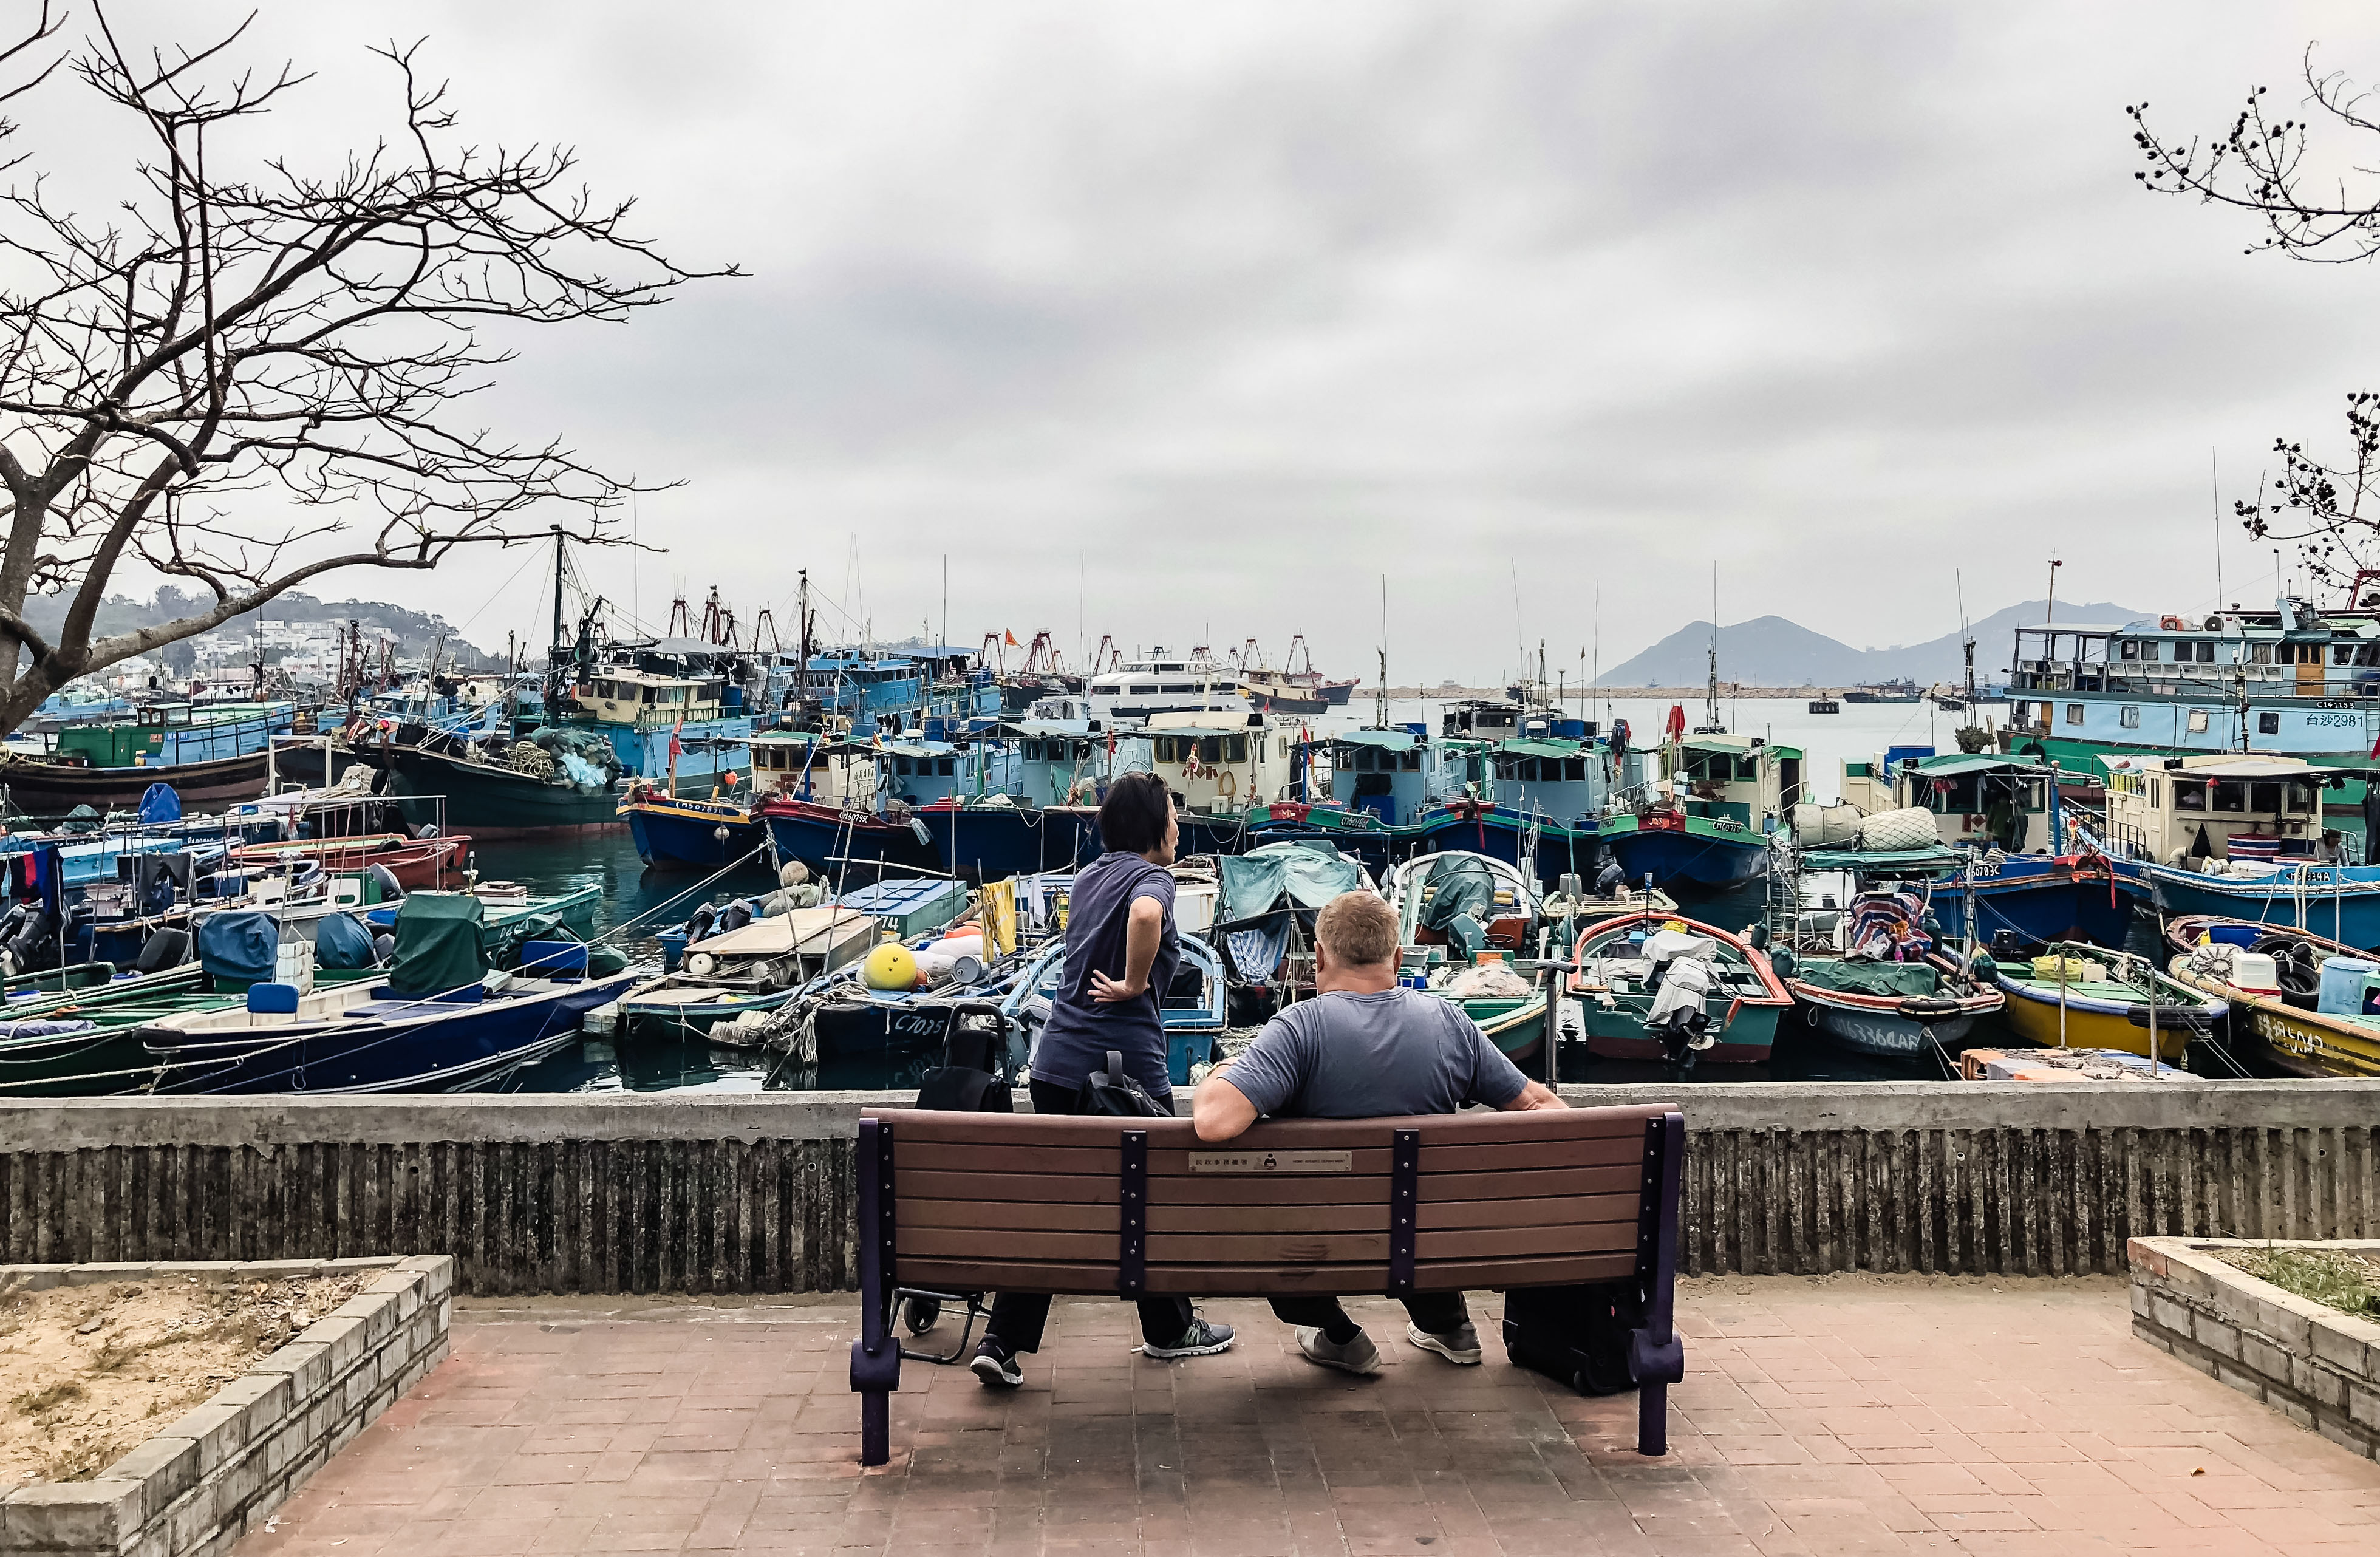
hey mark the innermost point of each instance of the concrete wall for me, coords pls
(753, 1192)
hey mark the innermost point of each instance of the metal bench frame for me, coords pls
(1657, 1356)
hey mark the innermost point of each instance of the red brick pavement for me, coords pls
(1851, 1415)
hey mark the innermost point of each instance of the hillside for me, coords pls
(415, 631)
(1773, 651)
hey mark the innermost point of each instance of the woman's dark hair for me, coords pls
(1132, 817)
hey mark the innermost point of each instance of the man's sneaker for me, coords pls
(995, 1367)
(1456, 1345)
(1201, 1340)
(1358, 1355)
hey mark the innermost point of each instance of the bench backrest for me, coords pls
(1433, 1203)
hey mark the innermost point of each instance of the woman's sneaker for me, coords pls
(1358, 1355)
(995, 1367)
(1201, 1340)
(1459, 1347)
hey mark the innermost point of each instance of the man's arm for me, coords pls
(1144, 927)
(1535, 1095)
(1220, 1110)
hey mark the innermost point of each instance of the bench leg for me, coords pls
(1652, 1419)
(1657, 1358)
(875, 1426)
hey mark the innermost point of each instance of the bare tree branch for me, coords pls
(183, 382)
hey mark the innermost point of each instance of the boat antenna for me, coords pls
(1380, 693)
(1710, 686)
(2215, 479)
(1966, 639)
(1598, 646)
(2050, 613)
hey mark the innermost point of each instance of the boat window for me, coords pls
(1409, 760)
(2342, 654)
(2198, 722)
(1181, 686)
(2302, 798)
(1210, 749)
(1747, 770)
(2188, 795)
(2259, 653)
(2367, 654)
(946, 766)
(2129, 717)
(1574, 769)
(1142, 686)
(2265, 797)
(2074, 714)
(2268, 724)
(2129, 649)
(1236, 749)
(2205, 653)
(2230, 795)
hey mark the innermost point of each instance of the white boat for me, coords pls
(1196, 683)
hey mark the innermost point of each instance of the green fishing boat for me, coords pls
(1470, 927)
(1616, 978)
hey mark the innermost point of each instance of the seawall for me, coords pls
(753, 1193)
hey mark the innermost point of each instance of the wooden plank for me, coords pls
(1542, 1211)
(1512, 1243)
(1523, 1184)
(1098, 1162)
(1471, 1275)
(1006, 1275)
(1471, 1125)
(1257, 1249)
(1005, 1244)
(929, 1157)
(1508, 1156)
(1174, 1162)
(1030, 1188)
(1195, 1189)
(1024, 1215)
(1372, 1216)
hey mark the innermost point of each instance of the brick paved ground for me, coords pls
(1844, 1415)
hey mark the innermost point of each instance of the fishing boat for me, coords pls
(750, 971)
(444, 1019)
(2301, 996)
(1701, 825)
(2081, 996)
(2238, 837)
(1886, 692)
(545, 785)
(1616, 986)
(410, 862)
(1825, 705)
(509, 916)
(1872, 978)
(1467, 922)
(209, 753)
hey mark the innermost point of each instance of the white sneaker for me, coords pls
(1358, 1355)
(1458, 1346)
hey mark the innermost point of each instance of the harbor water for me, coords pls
(635, 903)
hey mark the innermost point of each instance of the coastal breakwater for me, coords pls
(755, 1193)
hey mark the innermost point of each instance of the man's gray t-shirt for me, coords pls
(1361, 1056)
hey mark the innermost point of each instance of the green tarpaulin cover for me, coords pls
(1871, 978)
(438, 944)
(1310, 877)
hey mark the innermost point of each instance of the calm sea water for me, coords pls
(635, 902)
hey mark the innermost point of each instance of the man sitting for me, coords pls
(1364, 1047)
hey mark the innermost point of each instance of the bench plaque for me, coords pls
(1272, 1161)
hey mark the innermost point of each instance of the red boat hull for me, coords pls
(421, 863)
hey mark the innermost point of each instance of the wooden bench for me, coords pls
(972, 1202)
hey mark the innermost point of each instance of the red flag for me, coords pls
(675, 747)
(1012, 639)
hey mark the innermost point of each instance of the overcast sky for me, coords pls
(1238, 307)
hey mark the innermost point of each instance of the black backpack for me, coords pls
(1116, 1095)
(968, 1080)
(1578, 1335)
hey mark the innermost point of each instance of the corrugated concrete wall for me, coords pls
(753, 1193)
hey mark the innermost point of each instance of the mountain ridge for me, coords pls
(1776, 652)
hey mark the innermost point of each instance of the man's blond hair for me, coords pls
(1359, 927)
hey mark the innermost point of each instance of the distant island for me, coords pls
(415, 633)
(1773, 652)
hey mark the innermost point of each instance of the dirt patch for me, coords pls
(89, 1373)
(2345, 1280)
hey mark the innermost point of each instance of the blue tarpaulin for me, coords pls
(160, 803)
(240, 947)
(341, 940)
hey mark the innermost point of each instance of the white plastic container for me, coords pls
(2255, 973)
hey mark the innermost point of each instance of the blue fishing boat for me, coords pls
(210, 752)
(443, 1021)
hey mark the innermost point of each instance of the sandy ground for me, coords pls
(87, 1372)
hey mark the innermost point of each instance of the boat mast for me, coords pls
(1710, 688)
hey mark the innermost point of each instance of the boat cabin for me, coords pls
(811, 767)
(170, 733)
(1215, 765)
(1741, 778)
(1982, 801)
(1486, 719)
(647, 700)
(2230, 806)
(1387, 772)
(932, 773)
(1560, 780)
(1057, 762)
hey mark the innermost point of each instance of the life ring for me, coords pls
(2170, 623)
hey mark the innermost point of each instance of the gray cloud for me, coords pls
(1244, 306)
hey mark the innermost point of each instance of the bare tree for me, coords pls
(2330, 512)
(2259, 165)
(250, 375)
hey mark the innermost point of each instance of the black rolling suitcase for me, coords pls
(1578, 1335)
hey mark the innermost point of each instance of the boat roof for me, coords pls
(1956, 763)
(1941, 857)
(1387, 741)
(1739, 746)
(2234, 765)
(1539, 747)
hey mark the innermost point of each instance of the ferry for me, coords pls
(1141, 689)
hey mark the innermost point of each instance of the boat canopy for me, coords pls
(1308, 874)
(1962, 763)
(440, 947)
(1892, 862)
(1738, 746)
(1387, 740)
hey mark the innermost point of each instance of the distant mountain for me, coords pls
(1772, 651)
(416, 631)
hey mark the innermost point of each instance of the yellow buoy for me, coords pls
(889, 966)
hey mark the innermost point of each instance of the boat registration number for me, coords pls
(1272, 1161)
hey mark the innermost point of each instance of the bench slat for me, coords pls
(1005, 1188)
(1373, 1217)
(1205, 1281)
(1000, 1214)
(1471, 1124)
(1254, 1249)
(1209, 1189)
(1174, 1163)
(1536, 1211)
